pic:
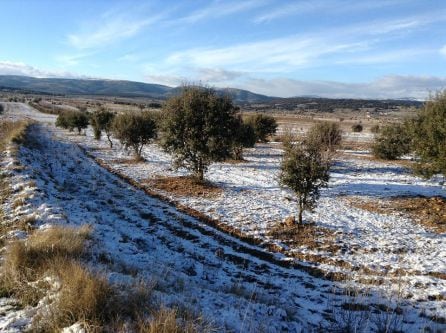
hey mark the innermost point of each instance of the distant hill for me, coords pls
(119, 88)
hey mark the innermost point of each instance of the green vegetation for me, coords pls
(197, 128)
(71, 120)
(101, 120)
(304, 170)
(326, 135)
(357, 128)
(134, 130)
(428, 131)
(392, 142)
(244, 137)
(264, 126)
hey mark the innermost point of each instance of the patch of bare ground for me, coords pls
(185, 186)
(309, 237)
(428, 212)
(128, 160)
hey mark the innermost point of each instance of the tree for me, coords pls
(71, 120)
(2, 108)
(244, 137)
(392, 142)
(263, 125)
(304, 170)
(101, 120)
(327, 135)
(134, 130)
(428, 131)
(197, 128)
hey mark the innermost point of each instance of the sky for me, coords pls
(327, 48)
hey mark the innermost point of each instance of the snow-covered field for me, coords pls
(204, 266)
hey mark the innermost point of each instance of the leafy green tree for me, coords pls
(101, 120)
(244, 137)
(327, 135)
(429, 136)
(305, 170)
(134, 130)
(197, 128)
(264, 126)
(392, 142)
(72, 119)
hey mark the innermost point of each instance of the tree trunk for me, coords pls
(109, 140)
(200, 172)
(238, 153)
(300, 211)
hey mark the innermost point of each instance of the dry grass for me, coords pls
(27, 261)
(428, 212)
(83, 297)
(12, 131)
(171, 321)
(185, 186)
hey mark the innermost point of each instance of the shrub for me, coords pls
(134, 130)
(375, 129)
(392, 142)
(326, 135)
(101, 120)
(304, 170)
(244, 137)
(357, 128)
(2, 108)
(429, 136)
(263, 125)
(71, 120)
(197, 128)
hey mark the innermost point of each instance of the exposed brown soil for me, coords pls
(185, 186)
(309, 237)
(128, 160)
(429, 212)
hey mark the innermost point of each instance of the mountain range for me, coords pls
(121, 88)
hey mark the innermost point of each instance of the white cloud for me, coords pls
(443, 50)
(392, 86)
(325, 6)
(274, 55)
(19, 68)
(219, 9)
(112, 26)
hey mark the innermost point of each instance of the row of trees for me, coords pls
(425, 136)
(198, 127)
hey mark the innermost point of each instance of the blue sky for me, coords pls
(380, 48)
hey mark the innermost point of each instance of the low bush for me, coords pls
(375, 129)
(72, 119)
(326, 135)
(392, 142)
(357, 128)
(101, 120)
(264, 126)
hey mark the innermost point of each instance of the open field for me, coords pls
(353, 255)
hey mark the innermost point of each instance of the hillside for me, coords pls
(119, 88)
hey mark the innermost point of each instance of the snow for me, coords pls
(215, 273)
